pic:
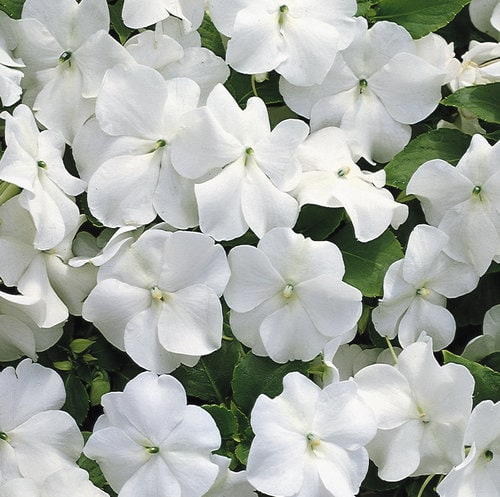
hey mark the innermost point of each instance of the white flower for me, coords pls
(416, 287)
(298, 38)
(287, 297)
(36, 438)
(139, 14)
(375, 89)
(332, 179)
(489, 342)
(125, 154)
(149, 442)
(10, 75)
(64, 482)
(249, 167)
(66, 48)
(159, 298)
(479, 473)
(485, 15)
(229, 483)
(421, 410)
(33, 161)
(310, 442)
(464, 202)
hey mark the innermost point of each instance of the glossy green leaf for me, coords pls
(77, 399)
(446, 144)
(367, 263)
(318, 222)
(226, 420)
(255, 375)
(115, 13)
(13, 8)
(481, 100)
(487, 384)
(419, 17)
(210, 37)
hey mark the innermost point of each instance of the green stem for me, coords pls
(424, 485)
(391, 348)
(254, 86)
(7, 191)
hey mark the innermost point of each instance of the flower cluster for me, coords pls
(242, 232)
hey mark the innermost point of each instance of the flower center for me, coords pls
(423, 292)
(283, 12)
(42, 164)
(363, 85)
(249, 153)
(158, 144)
(424, 417)
(488, 455)
(159, 295)
(65, 56)
(4, 436)
(476, 190)
(288, 291)
(343, 171)
(313, 440)
(153, 450)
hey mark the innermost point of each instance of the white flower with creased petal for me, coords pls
(150, 442)
(287, 297)
(297, 38)
(250, 168)
(485, 15)
(464, 202)
(487, 343)
(19, 334)
(166, 311)
(10, 75)
(160, 51)
(58, 288)
(479, 473)
(139, 14)
(69, 481)
(332, 179)
(125, 153)
(421, 409)
(416, 288)
(375, 89)
(309, 441)
(66, 48)
(33, 160)
(229, 483)
(36, 438)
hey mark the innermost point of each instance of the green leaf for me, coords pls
(210, 379)
(63, 365)
(99, 386)
(446, 144)
(367, 263)
(13, 8)
(487, 381)
(318, 222)
(481, 100)
(255, 375)
(226, 420)
(115, 13)
(242, 451)
(492, 361)
(240, 87)
(419, 17)
(77, 399)
(80, 345)
(210, 37)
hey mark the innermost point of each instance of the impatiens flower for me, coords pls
(33, 161)
(416, 288)
(310, 442)
(45, 275)
(36, 438)
(229, 483)
(70, 481)
(159, 298)
(160, 51)
(149, 442)
(479, 473)
(298, 38)
(19, 334)
(287, 297)
(464, 202)
(66, 48)
(139, 14)
(374, 90)
(487, 343)
(125, 154)
(421, 409)
(10, 75)
(242, 168)
(332, 179)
